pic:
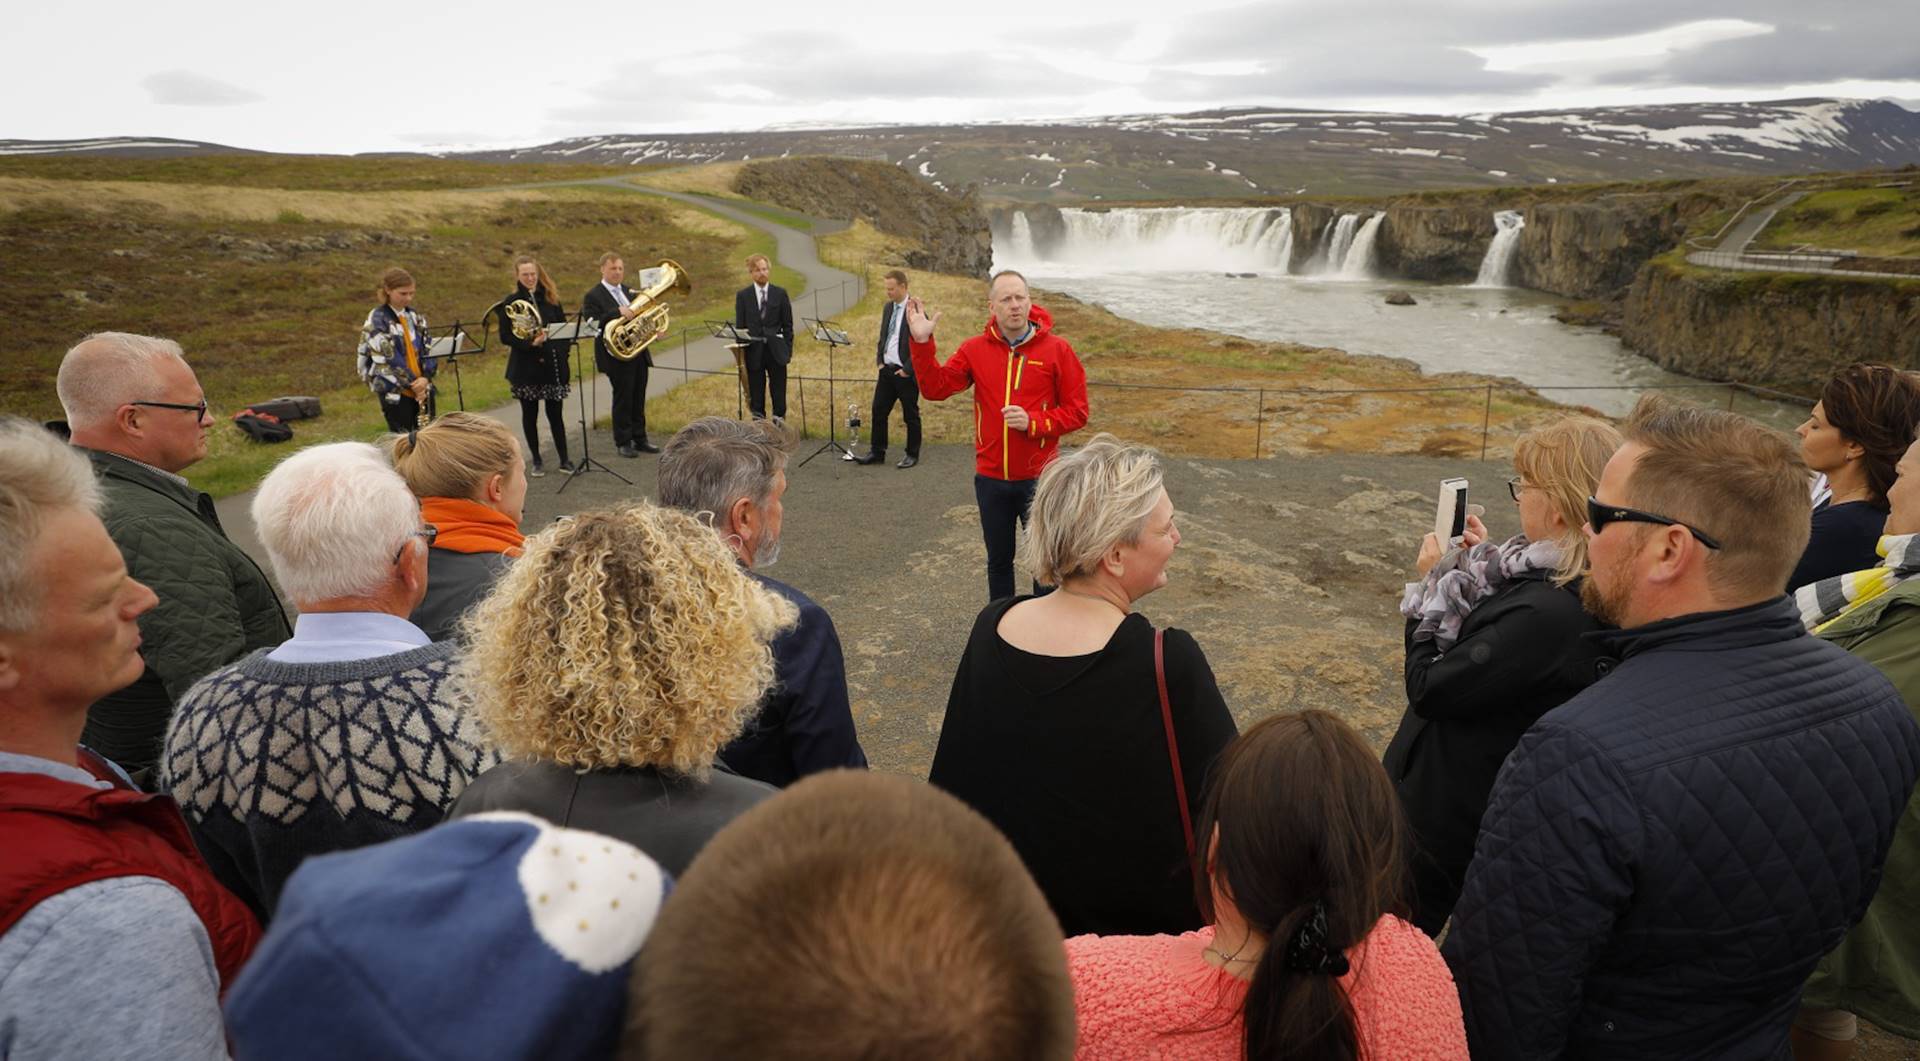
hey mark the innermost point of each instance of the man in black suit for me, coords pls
(611, 300)
(764, 309)
(896, 382)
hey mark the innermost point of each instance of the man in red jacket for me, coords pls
(115, 939)
(1028, 390)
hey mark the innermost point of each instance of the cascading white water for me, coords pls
(1358, 263)
(1165, 239)
(1340, 242)
(1499, 260)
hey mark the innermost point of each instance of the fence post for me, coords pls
(1486, 421)
(686, 371)
(1730, 393)
(803, 406)
(1259, 421)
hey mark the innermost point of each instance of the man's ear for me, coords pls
(10, 675)
(742, 517)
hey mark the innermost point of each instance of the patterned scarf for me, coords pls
(1464, 577)
(1825, 601)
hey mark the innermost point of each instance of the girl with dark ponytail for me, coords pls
(1306, 954)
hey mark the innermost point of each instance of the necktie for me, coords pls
(763, 301)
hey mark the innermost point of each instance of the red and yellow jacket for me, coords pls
(1042, 376)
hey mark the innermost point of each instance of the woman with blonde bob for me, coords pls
(1494, 639)
(1057, 730)
(611, 663)
(472, 484)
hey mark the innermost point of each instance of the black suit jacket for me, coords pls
(776, 324)
(529, 365)
(600, 306)
(880, 344)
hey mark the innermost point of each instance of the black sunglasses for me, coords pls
(1599, 515)
(427, 531)
(199, 410)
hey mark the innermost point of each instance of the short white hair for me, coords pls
(331, 518)
(39, 475)
(109, 369)
(1089, 501)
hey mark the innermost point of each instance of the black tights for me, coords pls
(530, 422)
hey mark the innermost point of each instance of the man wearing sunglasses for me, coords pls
(1667, 854)
(137, 411)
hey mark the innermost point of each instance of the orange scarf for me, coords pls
(406, 335)
(470, 527)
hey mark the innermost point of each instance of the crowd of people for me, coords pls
(597, 791)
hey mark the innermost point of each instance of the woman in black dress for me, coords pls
(1856, 434)
(537, 365)
(1055, 729)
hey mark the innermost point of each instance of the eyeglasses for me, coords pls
(427, 531)
(1514, 486)
(198, 410)
(1599, 515)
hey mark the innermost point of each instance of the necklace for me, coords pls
(1092, 596)
(1226, 960)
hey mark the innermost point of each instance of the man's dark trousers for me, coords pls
(628, 380)
(763, 369)
(889, 388)
(1003, 508)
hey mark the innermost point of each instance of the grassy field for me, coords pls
(317, 172)
(1139, 378)
(266, 287)
(1883, 222)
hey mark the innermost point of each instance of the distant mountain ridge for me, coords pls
(1241, 152)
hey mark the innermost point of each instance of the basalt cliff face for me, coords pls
(1593, 250)
(1443, 244)
(1786, 331)
(949, 231)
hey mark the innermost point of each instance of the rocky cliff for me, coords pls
(949, 230)
(1443, 244)
(1593, 249)
(1778, 330)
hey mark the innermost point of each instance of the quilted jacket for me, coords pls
(216, 605)
(1667, 854)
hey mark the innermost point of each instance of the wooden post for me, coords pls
(1259, 421)
(1486, 421)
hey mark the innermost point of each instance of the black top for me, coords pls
(600, 306)
(1845, 538)
(774, 322)
(1521, 653)
(668, 816)
(529, 365)
(804, 724)
(1068, 757)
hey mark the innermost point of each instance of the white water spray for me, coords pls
(1358, 264)
(1163, 239)
(1495, 267)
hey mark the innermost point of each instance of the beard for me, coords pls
(1608, 603)
(767, 555)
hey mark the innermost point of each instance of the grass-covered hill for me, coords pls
(263, 268)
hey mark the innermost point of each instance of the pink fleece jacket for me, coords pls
(1138, 995)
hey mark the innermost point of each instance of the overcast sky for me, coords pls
(433, 75)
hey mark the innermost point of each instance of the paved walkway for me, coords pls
(1732, 252)
(828, 291)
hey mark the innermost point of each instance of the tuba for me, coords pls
(523, 317)
(628, 339)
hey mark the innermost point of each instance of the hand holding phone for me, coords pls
(1450, 513)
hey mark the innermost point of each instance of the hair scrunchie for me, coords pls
(1307, 948)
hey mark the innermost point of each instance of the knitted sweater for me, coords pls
(273, 762)
(1137, 996)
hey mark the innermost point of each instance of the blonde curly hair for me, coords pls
(623, 637)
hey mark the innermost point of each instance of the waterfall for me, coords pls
(1158, 239)
(1358, 264)
(1499, 260)
(1343, 230)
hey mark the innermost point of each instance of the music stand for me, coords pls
(453, 344)
(738, 339)
(835, 338)
(582, 330)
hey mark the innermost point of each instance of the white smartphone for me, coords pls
(1450, 514)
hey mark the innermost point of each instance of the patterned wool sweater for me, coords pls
(1156, 997)
(274, 762)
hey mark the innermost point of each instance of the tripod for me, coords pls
(835, 338)
(450, 347)
(583, 327)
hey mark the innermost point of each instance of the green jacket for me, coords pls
(1875, 972)
(216, 605)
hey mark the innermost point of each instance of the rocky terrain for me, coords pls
(947, 232)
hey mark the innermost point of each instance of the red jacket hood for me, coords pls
(1041, 320)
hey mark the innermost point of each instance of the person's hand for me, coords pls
(919, 325)
(1476, 531)
(539, 338)
(419, 388)
(901, 372)
(628, 312)
(1015, 417)
(1431, 550)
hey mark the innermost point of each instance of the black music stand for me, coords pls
(453, 344)
(582, 332)
(742, 338)
(835, 338)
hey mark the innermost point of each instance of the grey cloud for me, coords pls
(184, 88)
(1799, 54)
(1383, 71)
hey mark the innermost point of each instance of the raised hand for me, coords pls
(919, 325)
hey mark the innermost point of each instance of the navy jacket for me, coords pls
(1667, 854)
(805, 725)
